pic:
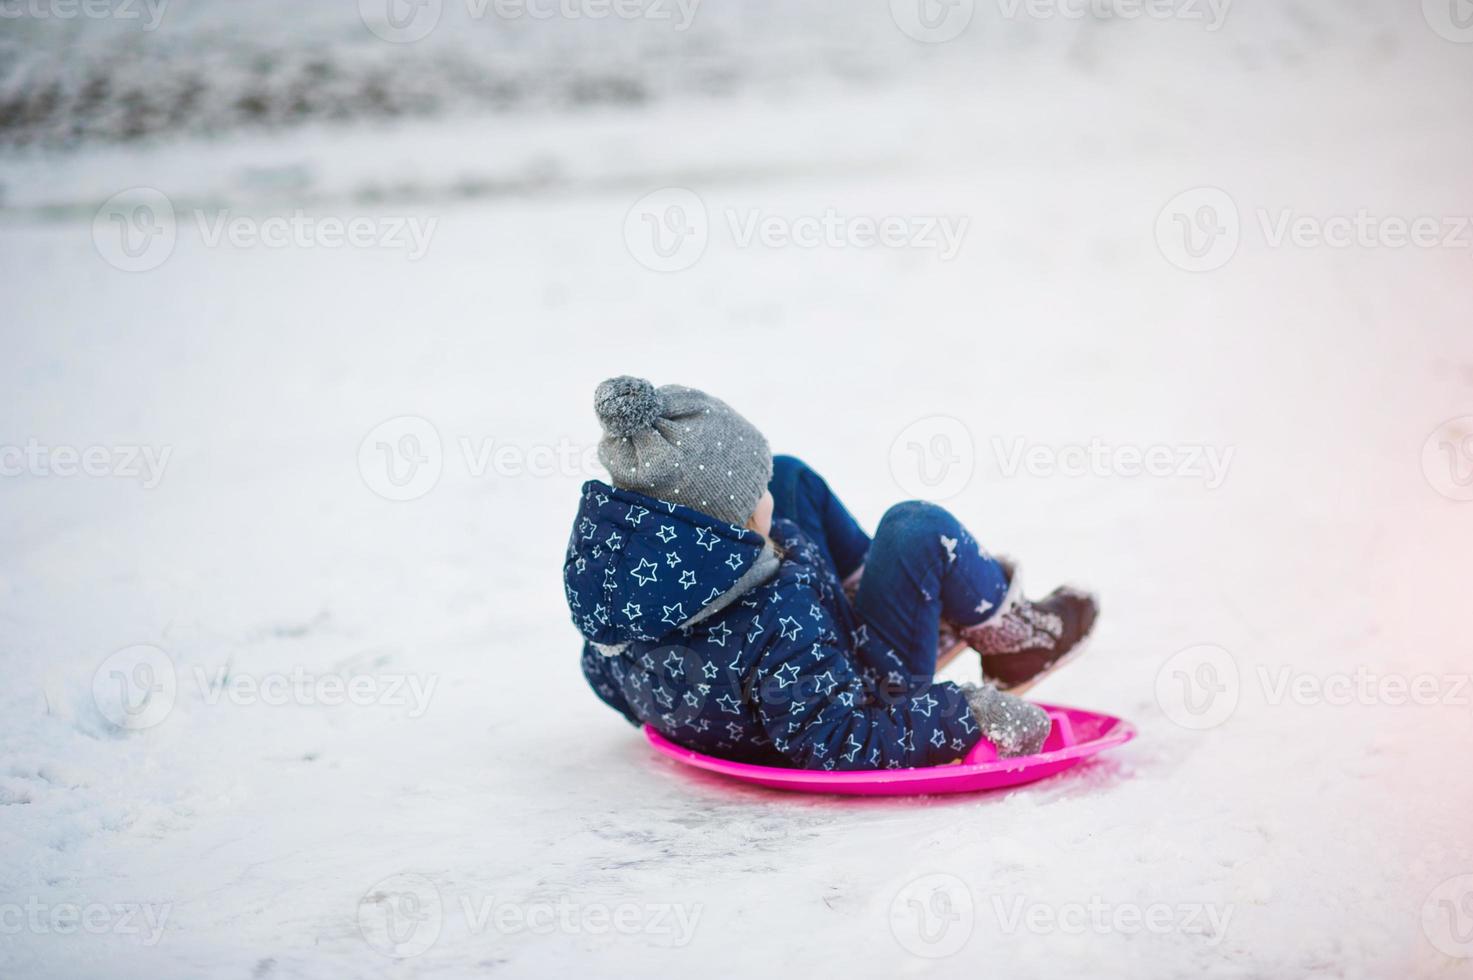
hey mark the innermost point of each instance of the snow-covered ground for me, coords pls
(439, 795)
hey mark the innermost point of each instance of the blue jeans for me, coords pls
(921, 566)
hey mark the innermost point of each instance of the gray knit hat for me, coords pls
(683, 446)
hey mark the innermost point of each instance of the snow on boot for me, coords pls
(1011, 724)
(1024, 640)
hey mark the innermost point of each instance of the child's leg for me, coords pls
(801, 496)
(922, 565)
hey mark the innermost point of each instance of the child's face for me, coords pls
(761, 519)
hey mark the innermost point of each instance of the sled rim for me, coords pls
(966, 776)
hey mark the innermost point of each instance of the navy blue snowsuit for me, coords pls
(772, 677)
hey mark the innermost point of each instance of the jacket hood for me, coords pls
(638, 568)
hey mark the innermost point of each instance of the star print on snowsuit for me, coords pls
(769, 677)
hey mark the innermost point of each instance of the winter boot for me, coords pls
(1024, 641)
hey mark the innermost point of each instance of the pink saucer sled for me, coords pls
(1077, 734)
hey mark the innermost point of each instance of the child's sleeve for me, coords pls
(820, 714)
(597, 671)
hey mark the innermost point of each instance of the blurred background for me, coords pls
(301, 311)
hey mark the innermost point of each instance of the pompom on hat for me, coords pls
(681, 445)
